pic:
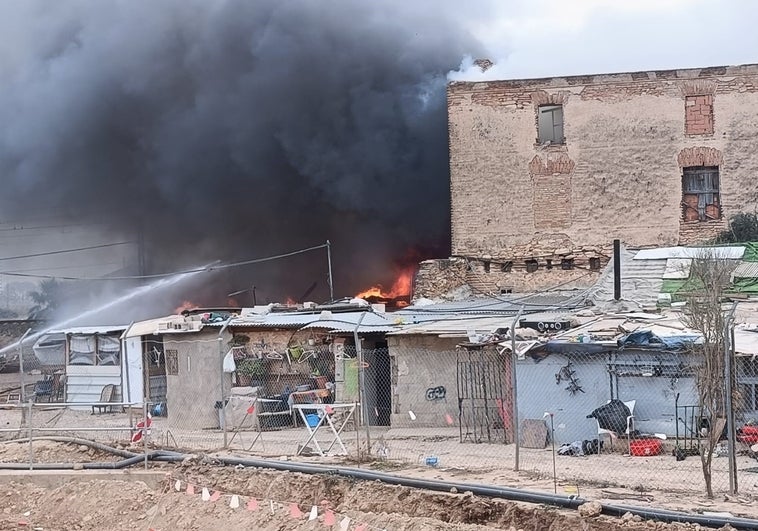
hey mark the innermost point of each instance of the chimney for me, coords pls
(483, 64)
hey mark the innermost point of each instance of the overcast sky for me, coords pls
(543, 38)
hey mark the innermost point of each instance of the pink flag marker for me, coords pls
(252, 504)
(295, 511)
(215, 496)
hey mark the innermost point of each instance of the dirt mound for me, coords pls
(282, 501)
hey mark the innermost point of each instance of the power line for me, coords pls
(49, 253)
(212, 267)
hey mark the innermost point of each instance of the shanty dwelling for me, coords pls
(79, 362)
(454, 372)
(569, 375)
(282, 355)
(648, 365)
(446, 357)
(148, 362)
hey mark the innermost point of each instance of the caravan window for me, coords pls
(82, 350)
(94, 350)
(108, 349)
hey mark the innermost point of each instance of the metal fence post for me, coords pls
(514, 392)
(31, 433)
(144, 429)
(222, 411)
(21, 365)
(362, 383)
(730, 429)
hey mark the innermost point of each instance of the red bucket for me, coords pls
(645, 447)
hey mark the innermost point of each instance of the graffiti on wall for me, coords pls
(436, 393)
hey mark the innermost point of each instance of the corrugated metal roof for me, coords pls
(456, 327)
(506, 305)
(746, 270)
(88, 330)
(347, 322)
(641, 281)
(335, 321)
(664, 253)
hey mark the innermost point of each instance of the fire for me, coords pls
(290, 301)
(401, 287)
(185, 305)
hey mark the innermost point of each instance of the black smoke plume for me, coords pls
(236, 129)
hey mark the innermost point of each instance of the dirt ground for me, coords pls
(283, 501)
(92, 503)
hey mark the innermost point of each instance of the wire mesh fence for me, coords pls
(602, 417)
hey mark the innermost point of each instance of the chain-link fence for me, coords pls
(589, 415)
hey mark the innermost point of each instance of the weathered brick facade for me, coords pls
(618, 174)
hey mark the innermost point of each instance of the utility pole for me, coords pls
(329, 263)
(141, 258)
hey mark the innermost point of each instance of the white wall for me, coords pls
(132, 361)
(84, 383)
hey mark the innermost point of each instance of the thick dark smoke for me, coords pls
(236, 129)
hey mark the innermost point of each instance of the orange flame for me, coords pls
(401, 287)
(185, 305)
(290, 301)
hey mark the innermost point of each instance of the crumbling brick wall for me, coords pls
(619, 173)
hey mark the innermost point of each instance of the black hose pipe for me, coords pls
(507, 493)
(75, 440)
(116, 465)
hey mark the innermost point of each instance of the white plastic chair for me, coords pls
(612, 434)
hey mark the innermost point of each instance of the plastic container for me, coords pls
(431, 460)
(312, 420)
(748, 434)
(645, 447)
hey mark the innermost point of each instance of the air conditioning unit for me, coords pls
(545, 326)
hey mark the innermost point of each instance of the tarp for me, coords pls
(646, 338)
(543, 350)
(612, 416)
(745, 285)
(751, 252)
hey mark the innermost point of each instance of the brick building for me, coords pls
(546, 172)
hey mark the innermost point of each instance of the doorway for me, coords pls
(383, 383)
(154, 366)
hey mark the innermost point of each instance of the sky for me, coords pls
(545, 38)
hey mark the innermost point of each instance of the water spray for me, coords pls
(142, 290)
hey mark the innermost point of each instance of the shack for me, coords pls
(79, 362)
(283, 354)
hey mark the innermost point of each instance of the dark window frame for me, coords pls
(705, 183)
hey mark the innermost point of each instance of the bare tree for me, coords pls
(710, 278)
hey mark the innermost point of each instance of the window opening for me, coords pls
(550, 124)
(700, 194)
